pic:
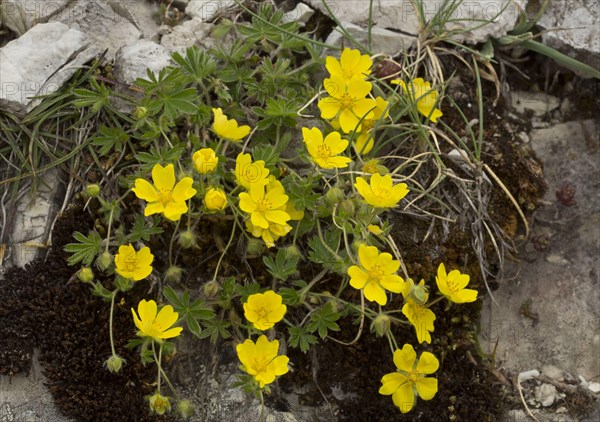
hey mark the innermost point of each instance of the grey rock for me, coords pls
(105, 28)
(573, 26)
(538, 102)
(382, 40)
(401, 15)
(546, 394)
(552, 372)
(192, 32)
(133, 60)
(22, 15)
(33, 219)
(207, 10)
(301, 14)
(594, 387)
(28, 62)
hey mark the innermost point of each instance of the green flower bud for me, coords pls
(173, 274)
(211, 289)
(159, 404)
(92, 190)
(347, 208)
(114, 363)
(140, 112)
(335, 195)
(187, 239)
(292, 251)
(381, 324)
(255, 248)
(104, 261)
(185, 409)
(418, 294)
(85, 274)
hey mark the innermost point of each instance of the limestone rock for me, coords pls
(573, 26)
(27, 63)
(301, 14)
(382, 40)
(546, 394)
(206, 10)
(401, 16)
(189, 33)
(22, 15)
(133, 60)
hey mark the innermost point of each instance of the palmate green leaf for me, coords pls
(299, 337)
(174, 104)
(85, 250)
(215, 328)
(110, 139)
(197, 64)
(247, 290)
(323, 320)
(162, 155)
(141, 231)
(292, 296)
(301, 192)
(283, 266)
(96, 98)
(325, 253)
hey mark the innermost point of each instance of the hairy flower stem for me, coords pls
(262, 407)
(110, 321)
(110, 220)
(171, 243)
(158, 365)
(224, 252)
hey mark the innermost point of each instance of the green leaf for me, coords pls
(216, 328)
(323, 320)
(327, 253)
(193, 325)
(301, 192)
(85, 250)
(141, 231)
(197, 64)
(247, 290)
(292, 296)
(110, 139)
(178, 305)
(299, 337)
(161, 155)
(97, 98)
(200, 310)
(283, 266)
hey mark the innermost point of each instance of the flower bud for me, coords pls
(114, 363)
(104, 261)
(418, 293)
(205, 160)
(85, 274)
(187, 239)
(347, 207)
(173, 274)
(292, 251)
(381, 324)
(140, 112)
(159, 404)
(334, 195)
(211, 289)
(185, 409)
(92, 190)
(255, 248)
(374, 229)
(215, 199)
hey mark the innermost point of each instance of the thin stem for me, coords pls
(171, 242)
(224, 253)
(110, 321)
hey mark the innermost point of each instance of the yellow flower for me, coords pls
(228, 128)
(381, 192)
(156, 326)
(205, 160)
(264, 206)
(374, 229)
(414, 310)
(325, 153)
(261, 360)
(133, 265)
(350, 65)
(410, 378)
(452, 285)
(264, 310)
(347, 99)
(159, 404)
(165, 196)
(375, 274)
(215, 199)
(421, 92)
(365, 141)
(270, 235)
(249, 173)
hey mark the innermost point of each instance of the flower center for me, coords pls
(263, 205)
(323, 151)
(165, 196)
(376, 272)
(346, 101)
(263, 313)
(413, 377)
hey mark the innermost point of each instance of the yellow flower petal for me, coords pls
(375, 293)
(163, 177)
(427, 387)
(358, 278)
(404, 358)
(404, 398)
(144, 190)
(183, 190)
(391, 382)
(428, 363)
